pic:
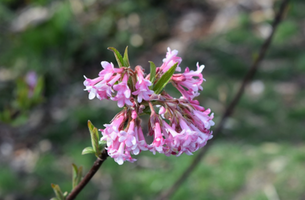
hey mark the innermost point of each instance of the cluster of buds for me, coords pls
(176, 125)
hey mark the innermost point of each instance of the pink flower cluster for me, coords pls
(176, 125)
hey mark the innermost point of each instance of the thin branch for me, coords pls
(99, 161)
(230, 108)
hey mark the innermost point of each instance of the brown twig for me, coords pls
(230, 108)
(99, 161)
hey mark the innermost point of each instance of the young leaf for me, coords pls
(94, 140)
(90, 126)
(125, 58)
(161, 83)
(74, 175)
(58, 192)
(102, 144)
(77, 175)
(94, 137)
(118, 56)
(88, 150)
(152, 73)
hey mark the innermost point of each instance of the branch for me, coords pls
(99, 161)
(230, 108)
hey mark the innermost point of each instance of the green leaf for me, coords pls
(58, 192)
(152, 73)
(164, 79)
(94, 138)
(102, 144)
(125, 58)
(77, 175)
(88, 150)
(74, 171)
(90, 126)
(118, 56)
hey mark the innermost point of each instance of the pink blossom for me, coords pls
(123, 93)
(191, 80)
(119, 155)
(203, 137)
(141, 143)
(111, 132)
(183, 141)
(129, 136)
(99, 87)
(170, 59)
(108, 71)
(157, 144)
(142, 86)
(203, 119)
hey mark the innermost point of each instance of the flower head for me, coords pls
(176, 125)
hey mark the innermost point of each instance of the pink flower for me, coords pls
(183, 141)
(141, 143)
(108, 71)
(142, 86)
(120, 142)
(203, 137)
(203, 119)
(189, 139)
(157, 144)
(92, 88)
(99, 87)
(173, 141)
(119, 155)
(129, 136)
(170, 59)
(191, 80)
(123, 93)
(111, 132)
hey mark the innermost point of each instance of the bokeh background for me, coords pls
(47, 46)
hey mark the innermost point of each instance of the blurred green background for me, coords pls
(47, 46)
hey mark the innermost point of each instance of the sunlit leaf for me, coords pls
(165, 78)
(94, 137)
(118, 56)
(88, 150)
(125, 58)
(58, 192)
(90, 126)
(77, 175)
